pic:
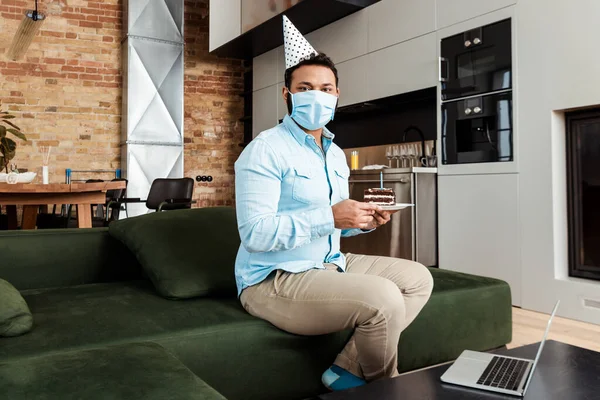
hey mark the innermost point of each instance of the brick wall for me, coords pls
(213, 107)
(66, 93)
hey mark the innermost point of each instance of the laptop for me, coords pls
(495, 373)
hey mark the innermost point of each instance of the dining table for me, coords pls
(32, 196)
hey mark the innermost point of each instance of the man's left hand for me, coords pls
(379, 219)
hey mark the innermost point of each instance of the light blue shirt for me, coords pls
(285, 186)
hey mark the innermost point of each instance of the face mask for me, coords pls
(312, 109)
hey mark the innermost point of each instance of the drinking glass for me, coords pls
(412, 155)
(396, 154)
(389, 155)
(403, 155)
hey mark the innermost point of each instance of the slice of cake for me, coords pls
(381, 197)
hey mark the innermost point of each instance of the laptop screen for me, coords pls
(539, 353)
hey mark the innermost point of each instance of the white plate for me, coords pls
(25, 177)
(396, 207)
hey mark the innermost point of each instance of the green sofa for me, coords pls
(87, 290)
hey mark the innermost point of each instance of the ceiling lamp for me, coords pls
(27, 30)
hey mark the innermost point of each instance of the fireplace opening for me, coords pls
(583, 180)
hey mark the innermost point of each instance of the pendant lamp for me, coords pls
(27, 30)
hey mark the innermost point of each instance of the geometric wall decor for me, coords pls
(152, 115)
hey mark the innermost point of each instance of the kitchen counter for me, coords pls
(412, 170)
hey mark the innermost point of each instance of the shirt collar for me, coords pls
(299, 134)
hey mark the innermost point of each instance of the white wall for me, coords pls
(225, 22)
(558, 68)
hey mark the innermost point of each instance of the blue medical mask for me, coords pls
(312, 109)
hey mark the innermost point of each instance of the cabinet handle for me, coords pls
(443, 69)
(404, 180)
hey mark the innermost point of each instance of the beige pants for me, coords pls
(378, 297)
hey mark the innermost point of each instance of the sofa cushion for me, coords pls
(185, 253)
(15, 317)
(124, 372)
(35, 259)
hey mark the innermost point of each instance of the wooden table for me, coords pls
(32, 196)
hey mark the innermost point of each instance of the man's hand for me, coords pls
(379, 218)
(350, 214)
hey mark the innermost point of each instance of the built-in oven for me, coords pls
(478, 129)
(476, 61)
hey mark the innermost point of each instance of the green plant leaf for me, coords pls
(18, 134)
(8, 149)
(11, 124)
(8, 155)
(2, 131)
(8, 116)
(8, 144)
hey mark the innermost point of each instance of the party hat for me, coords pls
(296, 46)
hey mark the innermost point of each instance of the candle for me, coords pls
(381, 179)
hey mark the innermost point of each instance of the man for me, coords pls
(293, 207)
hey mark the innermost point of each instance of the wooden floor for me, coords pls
(529, 327)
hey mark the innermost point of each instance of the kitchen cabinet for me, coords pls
(450, 12)
(225, 22)
(264, 70)
(402, 68)
(479, 227)
(353, 80)
(395, 21)
(264, 109)
(343, 39)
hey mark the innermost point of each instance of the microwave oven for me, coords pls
(477, 61)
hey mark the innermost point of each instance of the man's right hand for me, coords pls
(350, 214)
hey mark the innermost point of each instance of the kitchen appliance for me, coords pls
(477, 129)
(476, 92)
(412, 232)
(476, 61)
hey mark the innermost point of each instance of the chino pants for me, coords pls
(378, 297)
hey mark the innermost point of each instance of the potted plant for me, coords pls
(8, 147)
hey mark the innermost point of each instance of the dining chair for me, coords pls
(167, 194)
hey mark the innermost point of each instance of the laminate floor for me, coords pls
(529, 327)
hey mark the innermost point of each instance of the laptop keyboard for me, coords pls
(503, 373)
